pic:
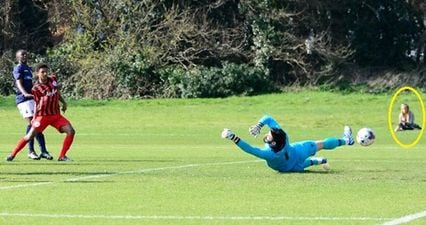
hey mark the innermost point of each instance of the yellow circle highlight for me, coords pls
(419, 97)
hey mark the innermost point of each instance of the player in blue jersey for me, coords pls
(283, 156)
(23, 76)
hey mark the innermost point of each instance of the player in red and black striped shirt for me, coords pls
(47, 112)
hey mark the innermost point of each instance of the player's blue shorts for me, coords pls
(301, 151)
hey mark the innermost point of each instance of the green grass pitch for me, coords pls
(163, 162)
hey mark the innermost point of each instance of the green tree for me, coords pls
(383, 32)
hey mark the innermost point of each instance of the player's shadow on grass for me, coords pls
(317, 172)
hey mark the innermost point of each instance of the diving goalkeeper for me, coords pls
(283, 156)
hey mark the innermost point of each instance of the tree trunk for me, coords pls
(6, 26)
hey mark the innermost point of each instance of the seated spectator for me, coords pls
(406, 119)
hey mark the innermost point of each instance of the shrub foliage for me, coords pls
(208, 48)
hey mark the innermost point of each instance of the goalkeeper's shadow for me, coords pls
(314, 172)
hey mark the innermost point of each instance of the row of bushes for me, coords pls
(210, 48)
(132, 76)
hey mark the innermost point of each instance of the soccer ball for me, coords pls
(365, 136)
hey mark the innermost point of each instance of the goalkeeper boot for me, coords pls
(326, 166)
(347, 135)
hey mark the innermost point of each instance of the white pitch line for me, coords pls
(125, 172)
(176, 217)
(406, 219)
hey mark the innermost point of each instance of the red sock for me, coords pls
(66, 145)
(19, 146)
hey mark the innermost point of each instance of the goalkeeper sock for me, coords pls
(318, 161)
(314, 161)
(332, 143)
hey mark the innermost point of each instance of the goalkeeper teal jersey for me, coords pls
(290, 158)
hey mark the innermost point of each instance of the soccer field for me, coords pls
(163, 162)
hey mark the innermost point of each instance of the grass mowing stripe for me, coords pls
(127, 172)
(406, 219)
(173, 217)
(163, 168)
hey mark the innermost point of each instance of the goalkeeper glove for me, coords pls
(228, 134)
(255, 129)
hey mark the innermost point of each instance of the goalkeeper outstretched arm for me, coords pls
(269, 121)
(265, 120)
(228, 134)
